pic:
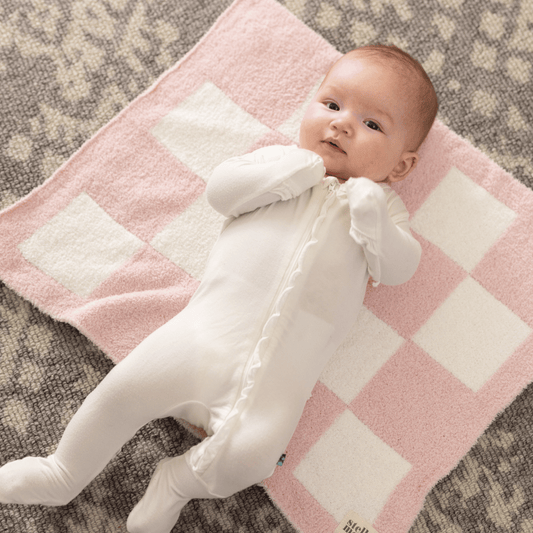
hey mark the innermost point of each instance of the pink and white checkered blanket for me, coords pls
(116, 241)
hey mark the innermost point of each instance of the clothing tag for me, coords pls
(353, 523)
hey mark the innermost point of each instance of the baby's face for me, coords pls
(360, 121)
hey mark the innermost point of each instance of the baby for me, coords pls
(305, 229)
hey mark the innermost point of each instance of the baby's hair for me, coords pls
(427, 101)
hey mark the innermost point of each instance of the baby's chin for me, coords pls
(339, 175)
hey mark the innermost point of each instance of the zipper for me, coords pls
(254, 362)
(332, 184)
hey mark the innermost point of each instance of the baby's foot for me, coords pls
(34, 480)
(159, 509)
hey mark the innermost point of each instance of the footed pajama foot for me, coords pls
(160, 507)
(35, 480)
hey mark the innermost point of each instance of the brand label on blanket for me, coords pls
(353, 523)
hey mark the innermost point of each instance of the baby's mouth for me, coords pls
(334, 145)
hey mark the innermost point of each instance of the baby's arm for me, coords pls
(380, 223)
(244, 183)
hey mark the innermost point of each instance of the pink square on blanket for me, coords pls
(143, 195)
(122, 322)
(406, 405)
(403, 307)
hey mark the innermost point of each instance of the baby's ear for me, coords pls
(406, 164)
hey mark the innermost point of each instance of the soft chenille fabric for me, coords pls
(283, 285)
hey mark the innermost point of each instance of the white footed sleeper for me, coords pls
(283, 285)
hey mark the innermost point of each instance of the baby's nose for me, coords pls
(342, 124)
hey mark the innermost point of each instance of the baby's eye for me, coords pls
(372, 125)
(333, 106)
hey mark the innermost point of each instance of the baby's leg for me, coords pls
(246, 455)
(95, 433)
(172, 486)
(173, 483)
(145, 386)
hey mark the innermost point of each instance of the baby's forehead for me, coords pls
(407, 80)
(343, 77)
(407, 75)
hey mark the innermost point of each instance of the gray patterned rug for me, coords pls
(67, 67)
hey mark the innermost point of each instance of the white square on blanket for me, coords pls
(188, 239)
(350, 468)
(206, 129)
(472, 334)
(367, 347)
(463, 219)
(81, 246)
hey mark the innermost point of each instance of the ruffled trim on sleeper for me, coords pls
(255, 362)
